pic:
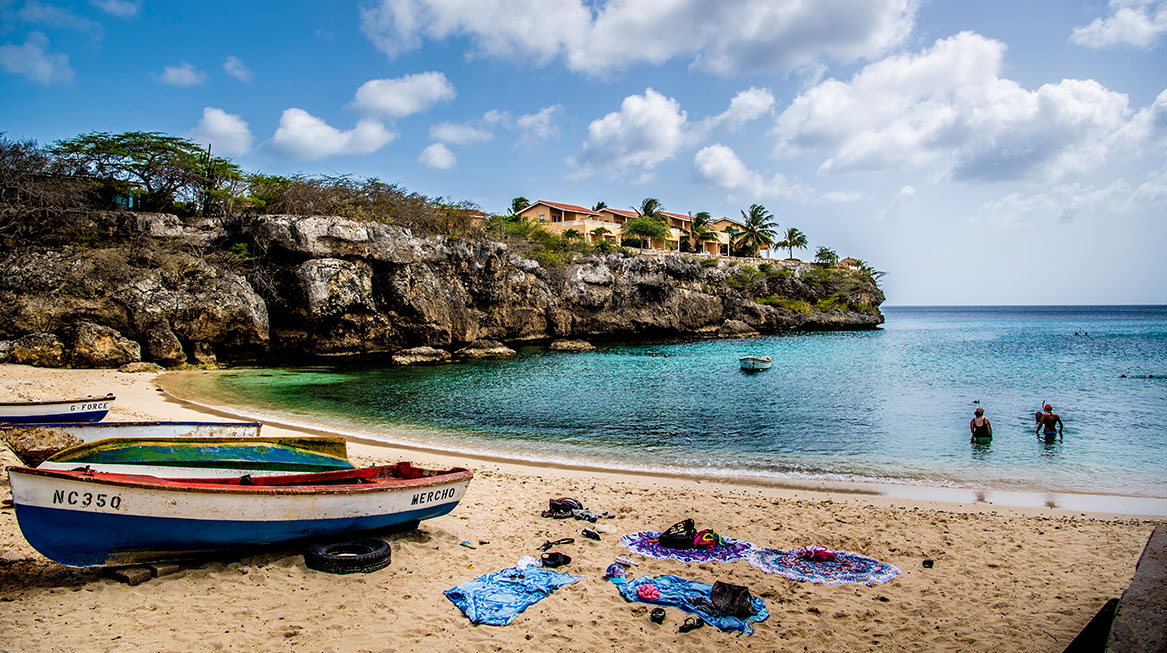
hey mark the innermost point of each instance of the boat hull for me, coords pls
(89, 409)
(106, 519)
(34, 443)
(754, 363)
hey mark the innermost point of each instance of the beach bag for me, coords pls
(731, 600)
(678, 536)
(561, 508)
(707, 540)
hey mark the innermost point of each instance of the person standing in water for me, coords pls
(980, 427)
(1050, 422)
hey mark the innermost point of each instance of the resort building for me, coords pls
(606, 223)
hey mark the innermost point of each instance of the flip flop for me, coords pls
(692, 623)
(555, 559)
(548, 544)
(657, 615)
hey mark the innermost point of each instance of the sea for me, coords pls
(888, 407)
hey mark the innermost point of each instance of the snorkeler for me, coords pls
(1051, 422)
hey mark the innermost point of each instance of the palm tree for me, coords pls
(598, 233)
(758, 231)
(518, 204)
(794, 239)
(571, 234)
(653, 209)
(700, 229)
(600, 205)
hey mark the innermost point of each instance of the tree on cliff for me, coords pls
(701, 229)
(757, 230)
(645, 228)
(826, 257)
(167, 168)
(791, 240)
(650, 208)
(34, 200)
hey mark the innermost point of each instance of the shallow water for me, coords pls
(886, 406)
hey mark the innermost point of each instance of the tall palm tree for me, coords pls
(758, 231)
(518, 204)
(599, 232)
(572, 234)
(701, 229)
(600, 205)
(792, 239)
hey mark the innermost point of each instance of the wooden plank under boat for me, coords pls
(206, 457)
(87, 409)
(34, 443)
(86, 519)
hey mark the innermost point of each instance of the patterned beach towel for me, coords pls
(645, 544)
(497, 598)
(845, 568)
(693, 597)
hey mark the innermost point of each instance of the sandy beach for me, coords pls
(1002, 578)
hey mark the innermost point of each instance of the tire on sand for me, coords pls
(356, 556)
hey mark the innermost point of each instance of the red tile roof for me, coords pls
(566, 207)
(679, 216)
(627, 214)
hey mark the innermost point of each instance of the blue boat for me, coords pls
(89, 409)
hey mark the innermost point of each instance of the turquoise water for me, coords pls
(889, 405)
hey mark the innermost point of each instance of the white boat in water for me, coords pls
(87, 409)
(755, 363)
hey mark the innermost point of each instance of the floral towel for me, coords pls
(692, 597)
(645, 544)
(845, 568)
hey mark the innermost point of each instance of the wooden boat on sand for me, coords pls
(33, 443)
(88, 409)
(86, 519)
(755, 363)
(206, 457)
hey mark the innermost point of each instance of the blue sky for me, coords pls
(978, 152)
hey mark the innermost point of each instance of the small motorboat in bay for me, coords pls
(34, 443)
(85, 518)
(206, 457)
(88, 409)
(755, 363)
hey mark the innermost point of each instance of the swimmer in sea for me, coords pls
(1051, 422)
(980, 427)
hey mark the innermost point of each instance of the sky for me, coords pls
(989, 152)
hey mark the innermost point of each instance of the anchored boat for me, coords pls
(89, 409)
(755, 363)
(86, 519)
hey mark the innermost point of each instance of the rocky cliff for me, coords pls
(328, 286)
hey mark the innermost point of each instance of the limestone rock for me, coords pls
(5, 350)
(736, 329)
(204, 355)
(163, 346)
(421, 356)
(335, 287)
(483, 348)
(571, 345)
(39, 349)
(95, 345)
(132, 368)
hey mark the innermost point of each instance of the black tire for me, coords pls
(357, 556)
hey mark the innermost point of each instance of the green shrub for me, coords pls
(795, 305)
(745, 277)
(709, 262)
(833, 303)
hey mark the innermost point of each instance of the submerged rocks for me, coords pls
(571, 345)
(483, 348)
(421, 356)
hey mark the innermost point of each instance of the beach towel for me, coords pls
(497, 598)
(725, 550)
(845, 568)
(695, 598)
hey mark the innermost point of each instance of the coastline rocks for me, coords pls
(132, 368)
(100, 346)
(571, 345)
(5, 350)
(420, 356)
(163, 346)
(736, 329)
(483, 348)
(39, 350)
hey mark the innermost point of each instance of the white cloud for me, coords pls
(750, 104)
(403, 96)
(32, 61)
(54, 16)
(183, 74)
(438, 156)
(119, 8)
(227, 133)
(948, 109)
(1067, 202)
(304, 136)
(459, 134)
(727, 37)
(899, 203)
(539, 126)
(235, 67)
(719, 166)
(648, 129)
(1137, 23)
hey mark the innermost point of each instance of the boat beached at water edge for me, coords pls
(33, 443)
(206, 457)
(88, 409)
(85, 518)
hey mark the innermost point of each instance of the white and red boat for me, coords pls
(89, 409)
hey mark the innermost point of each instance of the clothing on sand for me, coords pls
(645, 544)
(693, 597)
(497, 598)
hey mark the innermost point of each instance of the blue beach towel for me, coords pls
(497, 598)
(680, 592)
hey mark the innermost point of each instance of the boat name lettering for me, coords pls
(86, 499)
(430, 497)
(87, 407)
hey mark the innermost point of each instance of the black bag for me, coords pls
(732, 600)
(679, 536)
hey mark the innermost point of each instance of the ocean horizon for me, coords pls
(888, 406)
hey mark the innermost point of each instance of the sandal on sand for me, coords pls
(657, 615)
(692, 623)
(548, 544)
(555, 559)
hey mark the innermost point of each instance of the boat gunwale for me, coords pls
(50, 402)
(264, 486)
(111, 425)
